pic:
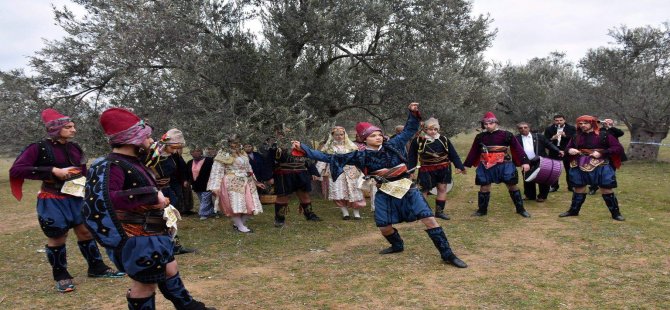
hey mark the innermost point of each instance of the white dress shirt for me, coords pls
(528, 146)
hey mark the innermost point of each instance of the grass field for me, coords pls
(588, 261)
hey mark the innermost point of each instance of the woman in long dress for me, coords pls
(233, 183)
(344, 191)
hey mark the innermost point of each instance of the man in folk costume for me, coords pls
(125, 210)
(344, 190)
(164, 161)
(608, 126)
(495, 153)
(398, 200)
(55, 161)
(594, 157)
(291, 174)
(434, 153)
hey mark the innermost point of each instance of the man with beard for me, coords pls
(594, 157)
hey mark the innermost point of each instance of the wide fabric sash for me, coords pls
(491, 159)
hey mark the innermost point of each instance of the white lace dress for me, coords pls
(233, 176)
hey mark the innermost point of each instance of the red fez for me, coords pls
(50, 115)
(489, 117)
(364, 129)
(115, 120)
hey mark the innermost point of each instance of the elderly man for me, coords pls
(55, 161)
(534, 145)
(495, 152)
(594, 157)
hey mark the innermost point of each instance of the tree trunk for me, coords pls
(645, 143)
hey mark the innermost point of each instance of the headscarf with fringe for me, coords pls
(349, 146)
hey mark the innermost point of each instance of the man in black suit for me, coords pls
(198, 170)
(560, 133)
(535, 145)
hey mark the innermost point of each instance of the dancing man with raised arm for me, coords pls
(398, 199)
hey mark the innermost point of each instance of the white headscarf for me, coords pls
(349, 146)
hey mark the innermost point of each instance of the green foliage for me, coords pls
(195, 66)
(631, 80)
(536, 91)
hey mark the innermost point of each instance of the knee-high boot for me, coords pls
(442, 244)
(96, 267)
(173, 289)
(613, 205)
(57, 256)
(518, 203)
(576, 205)
(482, 203)
(397, 245)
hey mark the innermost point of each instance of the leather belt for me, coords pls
(152, 221)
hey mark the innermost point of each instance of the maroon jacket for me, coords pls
(498, 137)
(38, 159)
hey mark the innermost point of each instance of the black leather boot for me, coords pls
(439, 209)
(397, 245)
(309, 213)
(173, 290)
(442, 244)
(576, 205)
(518, 203)
(482, 203)
(613, 205)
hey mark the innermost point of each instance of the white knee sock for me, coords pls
(345, 211)
(357, 213)
(237, 221)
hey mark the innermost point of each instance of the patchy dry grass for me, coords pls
(589, 261)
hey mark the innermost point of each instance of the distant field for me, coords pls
(543, 262)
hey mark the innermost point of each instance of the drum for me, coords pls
(544, 170)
